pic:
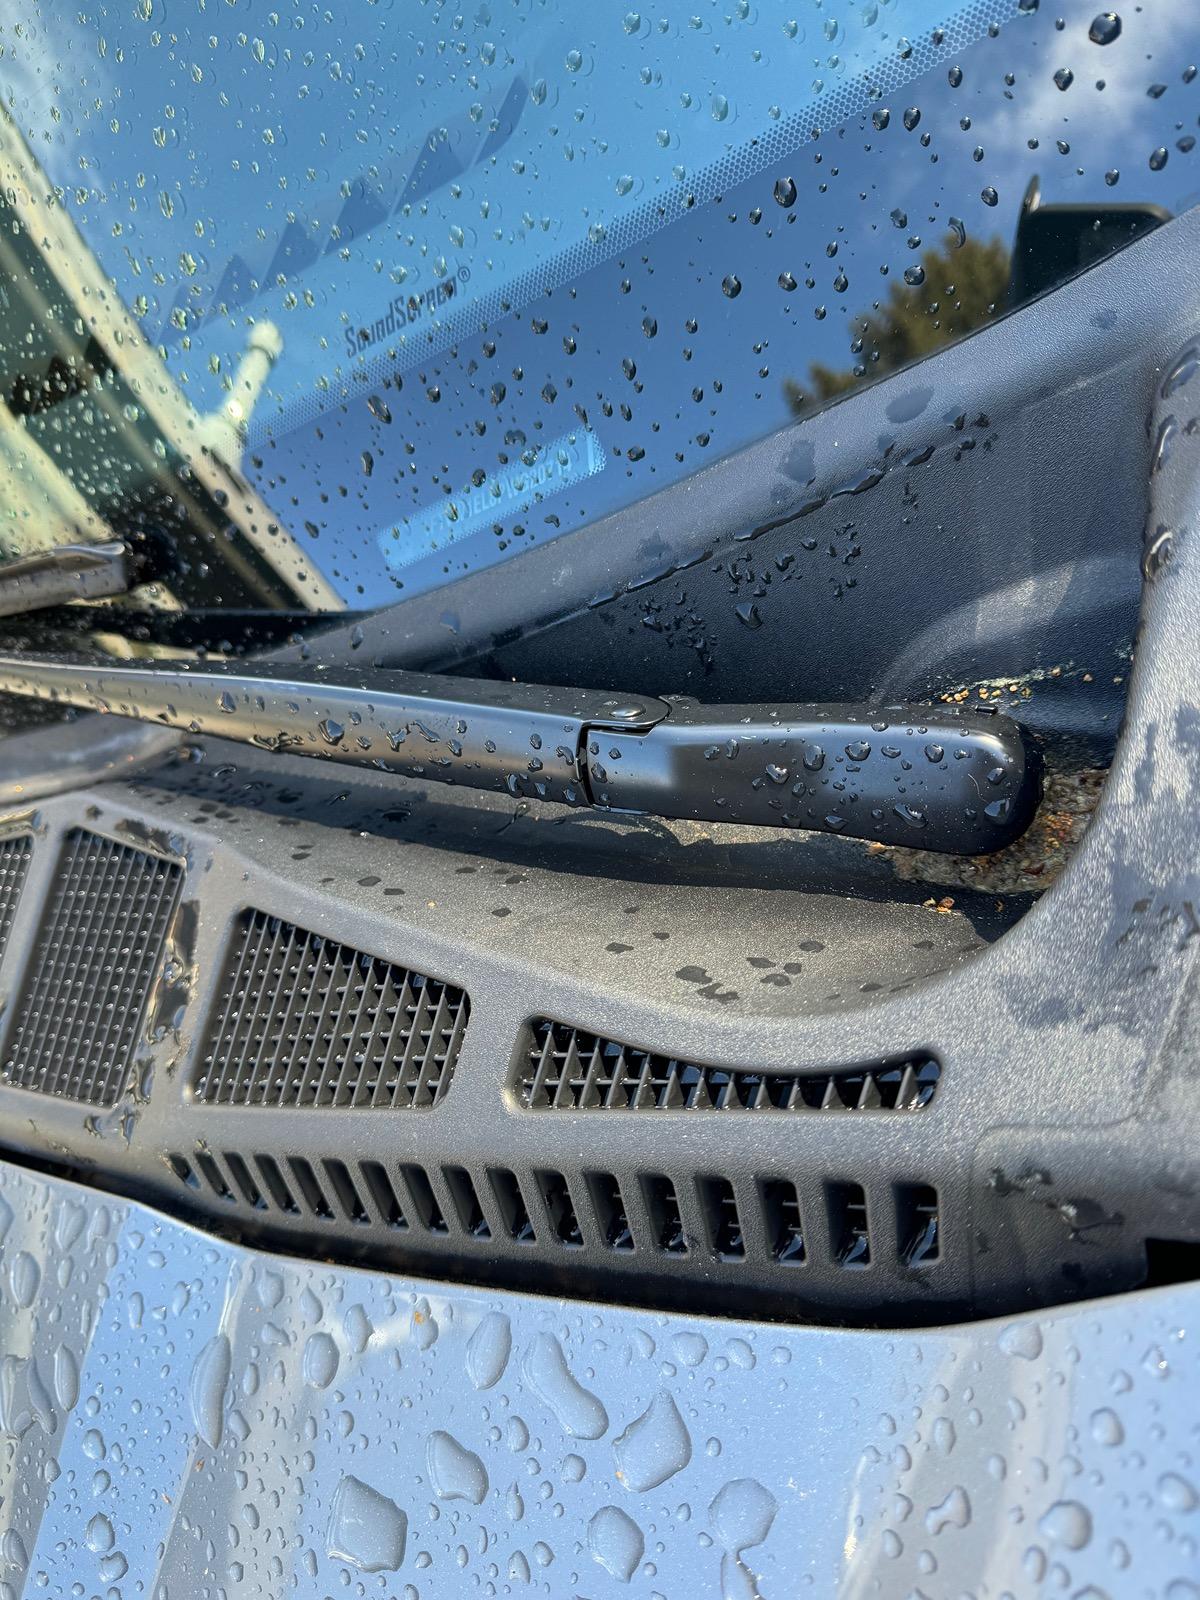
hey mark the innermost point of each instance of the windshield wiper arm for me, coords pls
(69, 572)
(935, 778)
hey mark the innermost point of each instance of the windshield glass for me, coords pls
(332, 303)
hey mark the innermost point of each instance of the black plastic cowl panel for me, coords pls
(1063, 1132)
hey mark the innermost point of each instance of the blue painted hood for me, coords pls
(183, 1417)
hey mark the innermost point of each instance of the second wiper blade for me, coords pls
(963, 782)
(69, 572)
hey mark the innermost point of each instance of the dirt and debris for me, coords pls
(1033, 862)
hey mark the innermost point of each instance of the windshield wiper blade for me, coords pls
(69, 572)
(934, 778)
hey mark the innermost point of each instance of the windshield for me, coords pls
(334, 303)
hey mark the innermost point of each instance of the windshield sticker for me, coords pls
(504, 494)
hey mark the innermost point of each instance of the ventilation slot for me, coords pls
(275, 1184)
(466, 1202)
(849, 1237)
(383, 1194)
(719, 1204)
(346, 1195)
(425, 1203)
(182, 1169)
(99, 947)
(14, 862)
(214, 1177)
(511, 1203)
(560, 1208)
(917, 1224)
(311, 1193)
(781, 1212)
(609, 1206)
(569, 1070)
(305, 1021)
(665, 1217)
(243, 1182)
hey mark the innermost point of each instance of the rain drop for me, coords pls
(1105, 28)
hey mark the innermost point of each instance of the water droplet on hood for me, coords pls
(654, 1447)
(1022, 1339)
(578, 1412)
(210, 1378)
(1067, 1523)
(488, 1350)
(616, 1542)
(455, 1472)
(742, 1514)
(320, 1361)
(366, 1529)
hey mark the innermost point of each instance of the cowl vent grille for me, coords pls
(569, 1070)
(302, 1021)
(100, 944)
(14, 860)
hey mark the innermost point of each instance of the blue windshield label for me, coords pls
(498, 499)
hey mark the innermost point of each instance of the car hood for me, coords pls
(184, 1416)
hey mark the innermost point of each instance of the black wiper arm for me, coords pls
(934, 778)
(69, 572)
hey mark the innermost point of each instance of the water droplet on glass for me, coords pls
(1105, 28)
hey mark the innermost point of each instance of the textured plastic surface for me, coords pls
(99, 948)
(1063, 1134)
(185, 1417)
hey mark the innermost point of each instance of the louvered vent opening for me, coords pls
(609, 1207)
(304, 1021)
(453, 1208)
(426, 1205)
(511, 1203)
(781, 1212)
(98, 949)
(560, 1208)
(329, 1190)
(917, 1223)
(567, 1069)
(665, 1217)
(724, 1223)
(14, 863)
(383, 1194)
(849, 1233)
(466, 1202)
